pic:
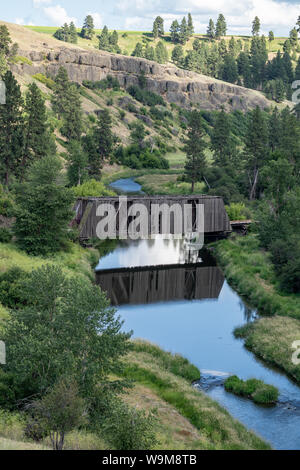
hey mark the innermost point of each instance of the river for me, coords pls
(183, 303)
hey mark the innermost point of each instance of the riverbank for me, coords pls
(249, 270)
(186, 419)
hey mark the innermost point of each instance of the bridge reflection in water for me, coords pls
(145, 285)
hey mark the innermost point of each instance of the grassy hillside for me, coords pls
(128, 39)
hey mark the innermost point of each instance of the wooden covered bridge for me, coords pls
(215, 218)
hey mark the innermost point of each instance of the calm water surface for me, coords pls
(183, 303)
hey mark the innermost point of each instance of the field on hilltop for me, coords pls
(129, 39)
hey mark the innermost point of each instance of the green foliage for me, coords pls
(11, 282)
(43, 209)
(77, 164)
(257, 390)
(148, 98)
(66, 319)
(92, 188)
(5, 235)
(45, 80)
(88, 29)
(130, 428)
(195, 149)
(236, 211)
(67, 33)
(106, 84)
(60, 411)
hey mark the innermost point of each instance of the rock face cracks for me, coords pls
(175, 85)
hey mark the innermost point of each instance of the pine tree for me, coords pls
(221, 141)
(175, 32)
(150, 52)
(274, 130)
(11, 130)
(44, 209)
(99, 144)
(73, 33)
(161, 53)
(184, 31)
(104, 39)
(77, 164)
(88, 29)
(158, 27)
(195, 150)
(271, 36)
(5, 40)
(229, 69)
(114, 38)
(298, 24)
(59, 96)
(178, 55)
(256, 149)
(211, 30)
(256, 26)
(191, 29)
(72, 127)
(221, 27)
(139, 50)
(38, 141)
(294, 37)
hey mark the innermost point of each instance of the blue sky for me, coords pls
(278, 15)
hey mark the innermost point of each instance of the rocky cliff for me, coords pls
(176, 85)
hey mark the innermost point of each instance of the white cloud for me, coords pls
(97, 19)
(58, 15)
(37, 3)
(20, 21)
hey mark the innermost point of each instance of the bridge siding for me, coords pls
(216, 218)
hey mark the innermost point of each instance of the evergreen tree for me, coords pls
(73, 33)
(184, 31)
(222, 48)
(195, 150)
(161, 53)
(38, 142)
(158, 27)
(256, 26)
(221, 27)
(138, 51)
(150, 52)
(88, 29)
(256, 149)
(191, 28)
(287, 46)
(5, 40)
(271, 36)
(59, 99)
(229, 69)
(298, 24)
(104, 39)
(294, 37)
(221, 140)
(43, 209)
(72, 127)
(275, 130)
(77, 164)
(175, 31)
(211, 31)
(114, 38)
(99, 144)
(178, 55)
(11, 129)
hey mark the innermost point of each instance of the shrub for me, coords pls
(254, 389)
(148, 98)
(130, 429)
(108, 83)
(92, 188)
(45, 80)
(236, 211)
(5, 235)
(11, 287)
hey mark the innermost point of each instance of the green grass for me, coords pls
(249, 270)
(271, 339)
(256, 390)
(128, 43)
(167, 184)
(166, 376)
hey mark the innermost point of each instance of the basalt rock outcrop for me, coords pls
(175, 85)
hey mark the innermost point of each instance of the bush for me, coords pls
(5, 235)
(148, 98)
(254, 389)
(108, 83)
(11, 288)
(130, 429)
(92, 188)
(45, 80)
(236, 211)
